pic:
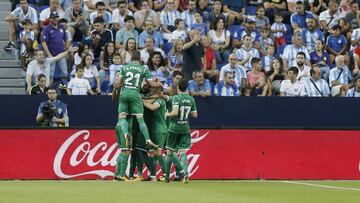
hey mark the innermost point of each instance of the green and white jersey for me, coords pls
(159, 122)
(180, 123)
(133, 75)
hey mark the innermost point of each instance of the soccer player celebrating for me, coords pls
(179, 138)
(130, 79)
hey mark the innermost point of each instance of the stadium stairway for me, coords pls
(12, 77)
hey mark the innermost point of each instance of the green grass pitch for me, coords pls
(195, 191)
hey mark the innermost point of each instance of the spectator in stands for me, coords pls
(236, 10)
(339, 78)
(150, 32)
(291, 50)
(42, 65)
(356, 69)
(355, 91)
(77, 18)
(304, 70)
(353, 17)
(199, 86)
(209, 68)
(149, 49)
(159, 5)
(292, 87)
(180, 32)
(79, 85)
(246, 53)
(54, 42)
(238, 70)
(261, 20)
(268, 57)
(126, 32)
(199, 24)
(193, 52)
(298, 19)
(220, 41)
(175, 56)
(119, 14)
(167, 19)
(101, 12)
(83, 49)
(255, 77)
(171, 86)
(227, 87)
(355, 38)
(28, 55)
(276, 6)
(278, 28)
(215, 13)
(144, 14)
(26, 34)
(276, 74)
(337, 45)
(321, 58)
(106, 57)
(16, 17)
(91, 73)
(114, 68)
(311, 34)
(129, 48)
(157, 66)
(330, 17)
(267, 90)
(265, 40)
(249, 29)
(345, 29)
(100, 36)
(40, 87)
(60, 117)
(45, 14)
(314, 85)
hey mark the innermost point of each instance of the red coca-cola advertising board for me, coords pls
(215, 154)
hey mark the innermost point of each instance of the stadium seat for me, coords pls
(41, 8)
(167, 47)
(251, 10)
(280, 50)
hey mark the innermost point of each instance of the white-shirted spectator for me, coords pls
(45, 14)
(330, 17)
(246, 53)
(291, 50)
(304, 70)
(79, 85)
(314, 85)
(238, 71)
(101, 12)
(355, 91)
(292, 87)
(339, 77)
(119, 14)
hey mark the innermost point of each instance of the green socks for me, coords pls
(184, 162)
(143, 128)
(124, 162)
(118, 165)
(124, 125)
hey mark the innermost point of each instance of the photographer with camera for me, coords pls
(52, 113)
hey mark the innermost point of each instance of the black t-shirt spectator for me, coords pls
(192, 60)
(105, 37)
(37, 90)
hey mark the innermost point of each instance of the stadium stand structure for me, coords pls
(12, 77)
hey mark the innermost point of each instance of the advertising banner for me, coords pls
(215, 154)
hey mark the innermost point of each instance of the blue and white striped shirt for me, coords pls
(291, 51)
(311, 91)
(226, 90)
(243, 54)
(188, 18)
(344, 78)
(266, 62)
(168, 18)
(239, 73)
(278, 26)
(309, 38)
(352, 93)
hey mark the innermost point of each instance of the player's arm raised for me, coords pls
(153, 106)
(174, 112)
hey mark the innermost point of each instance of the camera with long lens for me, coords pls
(48, 111)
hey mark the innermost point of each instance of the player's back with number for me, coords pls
(186, 105)
(133, 75)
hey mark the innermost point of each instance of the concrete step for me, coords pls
(12, 90)
(13, 54)
(10, 63)
(3, 15)
(4, 25)
(5, 1)
(4, 35)
(5, 6)
(11, 73)
(12, 82)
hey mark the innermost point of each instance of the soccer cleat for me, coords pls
(128, 141)
(137, 179)
(120, 178)
(151, 145)
(162, 178)
(167, 180)
(154, 179)
(185, 179)
(9, 46)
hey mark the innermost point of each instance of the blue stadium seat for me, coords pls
(41, 8)
(251, 10)
(288, 34)
(234, 28)
(167, 47)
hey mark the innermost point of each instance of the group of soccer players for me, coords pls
(165, 124)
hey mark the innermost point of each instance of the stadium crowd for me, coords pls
(223, 47)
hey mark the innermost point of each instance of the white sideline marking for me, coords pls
(322, 186)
